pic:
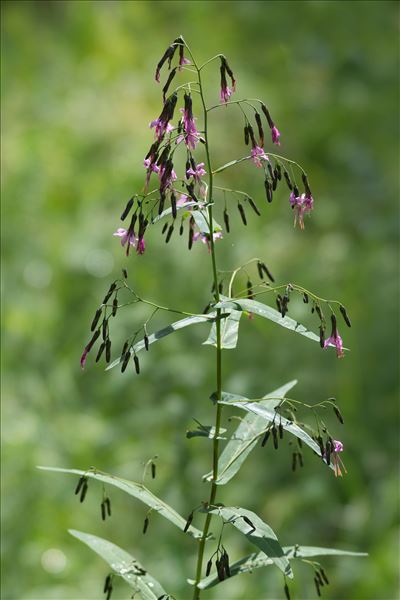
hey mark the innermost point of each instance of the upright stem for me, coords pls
(213, 491)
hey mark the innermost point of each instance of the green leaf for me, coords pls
(201, 220)
(258, 559)
(124, 565)
(168, 211)
(158, 335)
(229, 331)
(268, 413)
(207, 431)
(246, 436)
(137, 490)
(263, 310)
(261, 535)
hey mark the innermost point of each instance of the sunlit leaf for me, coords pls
(263, 310)
(201, 220)
(124, 565)
(137, 490)
(258, 559)
(269, 414)
(168, 211)
(246, 436)
(257, 532)
(229, 331)
(158, 335)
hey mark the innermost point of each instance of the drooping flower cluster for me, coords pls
(190, 134)
(226, 92)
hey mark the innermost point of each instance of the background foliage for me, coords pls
(78, 94)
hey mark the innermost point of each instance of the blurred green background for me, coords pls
(78, 94)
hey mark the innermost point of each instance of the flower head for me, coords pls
(162, 124)
(127, 236)
(205, 237)
(275, 135)
(336, 460)
(302, 205)
(190, 135)
(258, 154)
(197, 172)
(141, 246)
(334, 339)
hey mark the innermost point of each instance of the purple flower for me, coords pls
(126, 236)
(184, 199)
(275, 135)
(302, 205)
(336, 460)
(151, 167)
(84, 357)
(141, 246)
(190, 135)
(225, 93)
(183, 61)
(166, 175)
(161, 127)
(197, 173)
(205, 237)
(258, 153)
(335, 340)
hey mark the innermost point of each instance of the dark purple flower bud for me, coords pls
(168, 82)
(96, 319)
(168, 55)
(170, 231)
(260, 128)
(209, 567)
(288, 181)
(226, 220)
(253, 205)
(145, 525)
(188, 522)
(242, 213)
(345, 315)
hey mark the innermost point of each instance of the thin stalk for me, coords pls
(218, 416)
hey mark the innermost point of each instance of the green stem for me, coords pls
(213, 491)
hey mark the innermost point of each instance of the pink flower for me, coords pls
(126, 236)
(302, 205)
(225, 93)
(205, 237)
(190, 135)
(161, 127)
(196, 173)
(337, 461)
(334, 339)
(275, 135)
(182, 200)
(258, 153)
(183, 61)
(141, 246)
(84, 357)
(166, 175)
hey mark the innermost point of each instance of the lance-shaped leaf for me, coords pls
(158, 335)
(229, 331)
(246, 436)
(124, 565)
(263, 310)
(137, 490)
(269, 414)
(257, 532)
(168, 211)
(201, 220)
(258, 559)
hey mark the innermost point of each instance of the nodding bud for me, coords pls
(127, 209)
(321, 336)
(191, 233)
(345, 315)
(260, 128)
(181, 228)
(265, 438)
(220, 569)
(246, 135)
(153, 470)
(306, 185)
(268, 189)
(103, 511)
(226, 67)
(104, 329)
(125, 361)
(288, 180)
(114, 307)
(145, 525)
(125, 273)
(100, 352)
(209, 567)
(300, 457)
(270, 171)
(287, 593)
(170, 78)
(252, 136)
(225, 558)
(317, 586)
(275, 437)
(318, 310)
(170, 231)
(164, 229)
(279, 302)
(110, 291)
(95, 319)
(81, 481)
(168, 55)
(280, 430)
(173, 205)
(328, 448)
(124, 349)
(305, 298)
(107, 583)
(90, 345)
(242, 213)
(84, 490)
(146, 342)
(338, 414)
(107, 504)
(226, 220)
(253, 205)
(267, 115)
(296, 191)
(188, 522)
(250, 294)
(278, 171)
(274, 183)
(137, 365)
(108, 350)
(334, 325)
